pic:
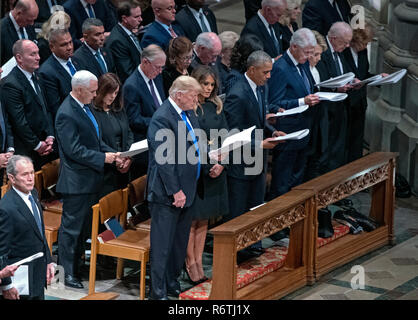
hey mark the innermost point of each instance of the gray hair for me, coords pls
(55, 33)
(258, 58)
(303, 38)
(273, 3)
(228, 39)
(12, 163)
(339, 29)
(82, 78)
(89, 23)
(152, 52)
(206, 39)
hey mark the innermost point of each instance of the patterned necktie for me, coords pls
(91, 12)
(274, 38)
(136, 42)
(260, 104)
(196, 145)
(304, 78)
(154, 96)
(173, 34)
(92, 118)
(22, 33)
(202, 23)
(36, 213)
(337, 64)
(100, 61)
(71, 67)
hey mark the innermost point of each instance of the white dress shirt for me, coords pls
(179, 111)
(63, 63)
(17, 27)
(315, 74)
(332, 53)
(94, 54)
(355, 56)
(146, 79)
(253, 85)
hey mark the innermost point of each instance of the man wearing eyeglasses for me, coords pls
(162, 30)
(143, 94)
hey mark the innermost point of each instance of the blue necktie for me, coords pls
(22, 33)
(154, 96)
(196, 145)
(304, 78)
(36, 213)
(92, 118)
(274, 38)
(100, 61)
(90, 10)
(260, 104)
(71, 67)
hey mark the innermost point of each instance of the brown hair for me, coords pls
(363, 35)
(108, 83)
(200, 74)
(177, 47)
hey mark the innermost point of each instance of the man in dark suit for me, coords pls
(57, 70)
(92, 56)
(80, 10)
(172, 185)
(123, 43)
(338, 39)
(83, 155)
(23, 97)
(143, 94)
(22, 230)
(162, 30)
(291, 85)
(46, 8)
(265, 25)
(17, 24)
(319, 15)
(245, 106)
(196, 18)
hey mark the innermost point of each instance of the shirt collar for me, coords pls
(163, 24)
(24, 196)
(266, 24)
(129, 32)
(80, 104)
(26, 73)
(195, 12)
(291, 57)
(84, 3)
(176, 107)
(253, 85)
(143, 75)
(330, 45)
(17, 27)
(62, 61)
(91, 49)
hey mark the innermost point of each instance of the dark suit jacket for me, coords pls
(242, 112)
(124, 52)
(286, 86)
(139, 103)
(29, 119)
(9, 141)
(82, 153)
(156, 34)
(164, 180)
(78, 14)
(20, 238)
(287, 35)
(319, 15)
(256, 27)
(190, 26)
(9, 37)
(87, 61)
(57, 83)
(44, 11)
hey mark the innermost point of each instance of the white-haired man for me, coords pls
(83, 155)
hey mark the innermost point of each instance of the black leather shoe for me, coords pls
(174, 293)
(72, 282)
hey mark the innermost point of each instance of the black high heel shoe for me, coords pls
(195, 283)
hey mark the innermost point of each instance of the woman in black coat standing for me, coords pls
(114, 126)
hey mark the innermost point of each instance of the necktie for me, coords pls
(196, 145)
(337, 64)
(260, 104)
(22, 33)
(3, 129)
(154, 96)
(71, 67)
(202, 23)
(90, 10)
(36, 213)
(92, 118)
(136, 42)
(38, 92)
(100, 61)
(304, 78)
(274, 38)
(173, 34)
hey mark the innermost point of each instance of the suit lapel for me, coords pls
(264, 33)
(77, 108)
(93, 59)
(144, 88)
(295, 74)
(22, 79)
(254, 101)
(193, 23)
(64, 74)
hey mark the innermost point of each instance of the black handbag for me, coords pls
(325, 229)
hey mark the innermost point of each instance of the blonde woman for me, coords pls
(288, 21)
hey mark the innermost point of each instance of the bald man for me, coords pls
(17, 24)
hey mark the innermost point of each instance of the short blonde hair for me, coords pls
(285, 17)
(228, 39)
(58, 20)
(320, 40)
(184, 84)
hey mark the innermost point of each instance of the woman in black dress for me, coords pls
(114, 126)
(180, 55)
(288, 21)
(215, 201)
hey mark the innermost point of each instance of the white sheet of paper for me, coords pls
(29, 259)
(297, 135)
(21, 280)
(233, 142)
(331, 96)
(390, 79)
(293, 111)
(260, 205)
(337, 82)
(8, 66)
(136, 148)
(371, 79)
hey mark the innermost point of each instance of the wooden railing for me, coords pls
(297, 209)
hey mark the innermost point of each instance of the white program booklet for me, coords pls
(297, 135)
(21, 280)
(136, 148)
(390, 79)
(337, 82)
(331, 96)
(292, 111)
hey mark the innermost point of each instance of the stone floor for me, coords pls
(391, 272)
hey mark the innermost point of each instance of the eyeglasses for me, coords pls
(187, 58)
(155, 66)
